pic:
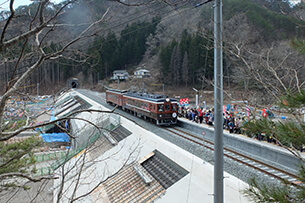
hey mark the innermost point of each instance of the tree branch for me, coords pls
(12, 134)
(7, 22)
(22, 175)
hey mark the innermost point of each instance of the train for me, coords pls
(154, 107)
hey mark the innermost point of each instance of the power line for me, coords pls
(112, 27)
(166, 12)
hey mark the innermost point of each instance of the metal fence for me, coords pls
(49, 156)
(87, 137)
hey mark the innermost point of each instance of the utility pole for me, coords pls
(197, 102)
(218, 103)
(37, 91)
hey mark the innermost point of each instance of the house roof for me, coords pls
(142, 70)
(120, 71)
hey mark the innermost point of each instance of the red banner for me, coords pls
(184, 101)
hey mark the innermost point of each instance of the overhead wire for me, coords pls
(118, 20)
(166, 17)
(166, 10)
(111, 25)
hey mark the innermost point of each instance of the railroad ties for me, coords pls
(242, 159)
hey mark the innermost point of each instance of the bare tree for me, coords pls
(27, 47)
(273, 74)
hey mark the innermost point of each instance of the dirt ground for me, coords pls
(150, 86)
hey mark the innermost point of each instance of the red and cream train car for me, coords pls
(115, 97)
(158, 108)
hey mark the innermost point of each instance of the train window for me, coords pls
(151, 106)
(168, 107)
(174, 107)
(160, 107)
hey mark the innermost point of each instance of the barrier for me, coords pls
(115, 121)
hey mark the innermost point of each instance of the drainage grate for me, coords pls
(164, 170)
(83, 104)
(120, 133)
(74, 105)
(100, 146)
(128, 186)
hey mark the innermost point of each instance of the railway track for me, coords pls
(256, 164)
(239, 158)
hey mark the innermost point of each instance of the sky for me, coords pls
(4, 4)
(295, 1)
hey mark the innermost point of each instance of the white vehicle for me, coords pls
(275, 108)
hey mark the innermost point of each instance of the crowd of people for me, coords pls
(199, 115)
(231, 121)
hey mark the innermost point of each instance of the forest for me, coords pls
(181, 54)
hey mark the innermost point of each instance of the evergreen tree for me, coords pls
(16, 158)
(175, 66)
(185, 69)
(200, 56)
(289, 134)
(109, 54)
(165, 57)
(194, 58)
(185, 42)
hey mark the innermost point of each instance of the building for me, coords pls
(141, 73)
(120, 74)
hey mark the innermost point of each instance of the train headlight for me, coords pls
(174, 115)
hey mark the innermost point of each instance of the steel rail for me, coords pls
(290, 175)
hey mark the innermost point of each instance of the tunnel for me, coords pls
(73, 83)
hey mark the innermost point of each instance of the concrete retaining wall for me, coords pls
(250, 147)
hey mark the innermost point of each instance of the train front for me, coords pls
(167, 112)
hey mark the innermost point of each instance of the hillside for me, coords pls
(173, 41)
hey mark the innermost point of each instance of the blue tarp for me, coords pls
(55, 137)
